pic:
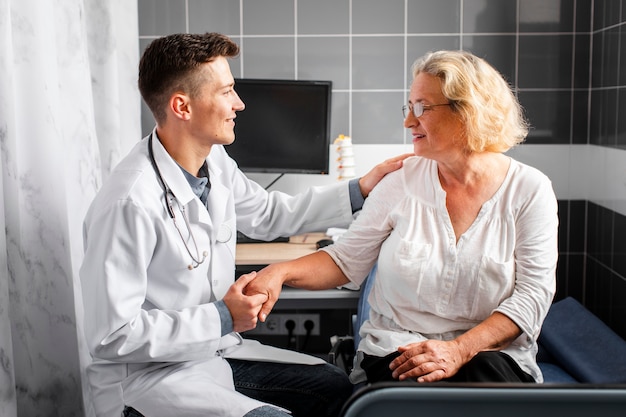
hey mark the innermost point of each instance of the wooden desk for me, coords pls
(254, 256)
(268, 253)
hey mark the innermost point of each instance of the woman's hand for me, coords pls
(434, 360)
(428, 361)
(268, 283)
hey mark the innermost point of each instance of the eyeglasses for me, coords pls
(419, 108)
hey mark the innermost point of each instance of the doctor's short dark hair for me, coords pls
(169, 64)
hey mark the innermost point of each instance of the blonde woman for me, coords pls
(465, 238)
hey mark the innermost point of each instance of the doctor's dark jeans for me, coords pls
(305, 390)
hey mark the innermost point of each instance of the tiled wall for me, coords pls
(604, 284)
(566, 59)
(608, 93)
(366, 48)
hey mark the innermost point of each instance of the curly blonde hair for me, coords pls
(493, 117)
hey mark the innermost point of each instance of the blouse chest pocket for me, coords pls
(496, 282)
(408, 269)
(410, 258)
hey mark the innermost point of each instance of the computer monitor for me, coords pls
(285, 127)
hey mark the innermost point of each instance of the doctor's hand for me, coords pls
(369, 180)
(269, 284)
(244, 309)
(428, 361)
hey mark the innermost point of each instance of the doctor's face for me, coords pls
(215, 104)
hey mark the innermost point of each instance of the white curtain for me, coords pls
(69, 109)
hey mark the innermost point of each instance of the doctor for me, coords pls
(162, 309)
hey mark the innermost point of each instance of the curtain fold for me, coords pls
(69, 109)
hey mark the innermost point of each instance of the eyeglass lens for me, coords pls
(417, 109)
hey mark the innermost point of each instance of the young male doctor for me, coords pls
(162, 308)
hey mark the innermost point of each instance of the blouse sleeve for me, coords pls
(356, 252)
(536, 253)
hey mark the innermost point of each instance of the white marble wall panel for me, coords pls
(8, 402)
(69, 108)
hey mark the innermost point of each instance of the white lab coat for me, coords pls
(150, 324)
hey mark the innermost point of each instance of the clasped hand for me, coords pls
(267, 283)
(244, 308)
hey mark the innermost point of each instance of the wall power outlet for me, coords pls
(279, 324)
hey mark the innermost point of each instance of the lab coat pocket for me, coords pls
(496, 280)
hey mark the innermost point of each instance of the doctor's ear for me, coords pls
(179, 105)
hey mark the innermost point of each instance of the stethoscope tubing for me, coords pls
(167, 191)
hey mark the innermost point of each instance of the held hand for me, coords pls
(244, 309)
(428, 361)
(369, 180)
(269, 285)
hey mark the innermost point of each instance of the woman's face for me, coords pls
(437, 133)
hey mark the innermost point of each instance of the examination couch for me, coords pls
(576, 346)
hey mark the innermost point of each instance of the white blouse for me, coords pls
(428, 286)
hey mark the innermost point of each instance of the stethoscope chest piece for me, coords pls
(224, 233)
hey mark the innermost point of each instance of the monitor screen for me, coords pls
(285, 127)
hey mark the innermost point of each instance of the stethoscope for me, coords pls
(169, 197)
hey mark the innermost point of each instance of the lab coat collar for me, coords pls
(176, 180)
(218, 195)
(171, 172)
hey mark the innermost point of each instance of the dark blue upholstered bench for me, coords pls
(576, 346)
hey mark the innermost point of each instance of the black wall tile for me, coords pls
(498, 50)
(621, 119)
(577, 226)
(622, 55)
(489, 16)
(562, 277)
(600, 234)
(583, 15)
(617, 320)
(606, 13)
(619, 245)
(571, 281)
(597, 296)
(549, 113)
(561, 16)
(604, 107)
(580, 118)
(581, 60)
(563, 226)
(545, 61)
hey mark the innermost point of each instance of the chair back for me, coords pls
(363, 308)
(484, 400)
